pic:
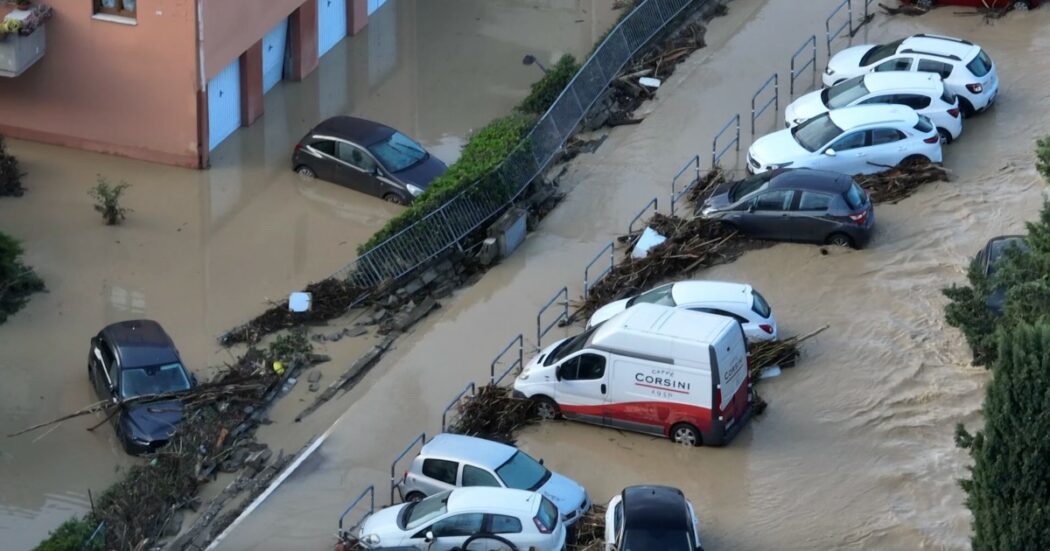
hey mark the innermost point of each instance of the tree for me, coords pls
(1008, 491)
(17, 281)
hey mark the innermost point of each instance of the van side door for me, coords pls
(582, 387)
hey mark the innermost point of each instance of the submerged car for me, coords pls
(452, 460)
(990, 256)
(445, 521)
(923, 92)
(368, 157)
(650, 518)
(965, 67)
(864, 139)
(803, 205)
(133, 359)
(734, 300)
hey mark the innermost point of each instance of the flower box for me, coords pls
(20, 50)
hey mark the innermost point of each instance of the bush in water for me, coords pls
(72, 535)
(546, 90)
(10, 174)
(17, 281)
(107, 201)
(1007, 491)
(1042, 153)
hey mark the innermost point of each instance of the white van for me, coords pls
(651, 368)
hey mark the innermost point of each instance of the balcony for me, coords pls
(23, 38)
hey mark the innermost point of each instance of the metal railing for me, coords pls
(517, 363)
(587, 270)
(563, 316)
(716, 154)
(443, 228)
(652, 203)
(420, 439)
(757, 112)
(694, 164)
(472, 388)
(370, 493)
(829, 35)
(796, 70)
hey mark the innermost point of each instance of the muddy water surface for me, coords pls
(203, 251)
(855, 450)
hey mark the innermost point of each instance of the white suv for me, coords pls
(966, 69)
(855, 140)
(923, 92)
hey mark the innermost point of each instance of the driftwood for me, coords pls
(901, 181)
(590, 531)
(904, 9)
(492, 413)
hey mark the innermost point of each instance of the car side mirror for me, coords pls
(429, 537)
(557, 373)
(375, 171)
(830, 152)
(751, 207)
(541, 461)
(97, 353)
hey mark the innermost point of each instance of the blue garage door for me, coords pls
(374, 5)
(224, 104)
(273, 55)
(331, 24)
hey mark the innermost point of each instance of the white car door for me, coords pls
(850, 153)
(888, 148)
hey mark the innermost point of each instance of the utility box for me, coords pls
(18, 53)
(509, 230)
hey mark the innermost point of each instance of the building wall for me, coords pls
(123, 89)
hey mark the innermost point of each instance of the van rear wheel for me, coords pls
(546, 408)
(684, 433)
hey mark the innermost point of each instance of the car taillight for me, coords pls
(540, 526)
(976, 88)
(954, 112)
(932, 139)
(859, 218)
(769, 330)
(298, 147)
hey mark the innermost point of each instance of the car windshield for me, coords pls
(855, 197)
(660, 295)
(760, 306)
(980, 64)
(816, 132)
(398, 152)
(844, 93)
(522, 472)
(878, 53)
(639, 539)
(423, 511)
(749, 185)
(570, 345)
(143, 381)
(999, 247)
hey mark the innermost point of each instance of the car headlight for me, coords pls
(414, 190)
(371, 539)
(775, 166)
(829, 71)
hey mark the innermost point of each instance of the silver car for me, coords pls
(451, 460)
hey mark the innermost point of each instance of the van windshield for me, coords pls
(570, 345)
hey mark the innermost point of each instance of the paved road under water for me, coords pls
(855, 450)
(203, 250)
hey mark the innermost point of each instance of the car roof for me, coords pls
(655, 507)
(492, 500)
(938, 45)
(904, 80)
(685, 292)
(140, 343)
(849, 118)
(468, 449)
(361, 131)
(810, 179)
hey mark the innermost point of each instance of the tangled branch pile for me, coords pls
(590, 531)
(330, 298)
(782, 353)
(492, 413)
(901, 181)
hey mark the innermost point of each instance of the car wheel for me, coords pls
(305, 172)
(546, 408)
(686, 434)
(966, 107)
(414, 497)
(488, 541)
(946, 137)
(840, 240)
(1021, 6)
(395, 199)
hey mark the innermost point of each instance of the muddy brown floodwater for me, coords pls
(855, 450)
(203, 250)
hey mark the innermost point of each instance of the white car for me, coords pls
(453, 460)
(447, 521)
(923, 92)
(734, 300)
(855, 140)
(650, 518)
(967, 70)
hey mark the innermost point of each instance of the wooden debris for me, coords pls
(492, 413)
(901, 181)
(590, 531)
(904, 9)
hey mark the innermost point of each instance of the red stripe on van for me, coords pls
(662, 414)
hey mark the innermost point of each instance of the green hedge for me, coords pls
(485, 149)
(545, 90)
(71, 536)
(17, 281)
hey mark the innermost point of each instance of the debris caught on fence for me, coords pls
(904, 9)
(492, 413)
(896, 183)
(330, 298)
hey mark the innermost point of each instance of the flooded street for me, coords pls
(855, 450)
(204, 250)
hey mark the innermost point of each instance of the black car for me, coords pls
(989, 257)
(367, 156)
(137, 358)
(795, 205)
(644, 518)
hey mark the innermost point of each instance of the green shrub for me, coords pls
(71, 536)
(546, 90)
(1007, 491)
(10, 174)
(485, 149)
(17, 281)
(1042, 153)
(107, 201)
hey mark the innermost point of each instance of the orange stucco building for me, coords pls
(165, 80)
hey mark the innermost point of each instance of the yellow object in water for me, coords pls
(278, 368)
